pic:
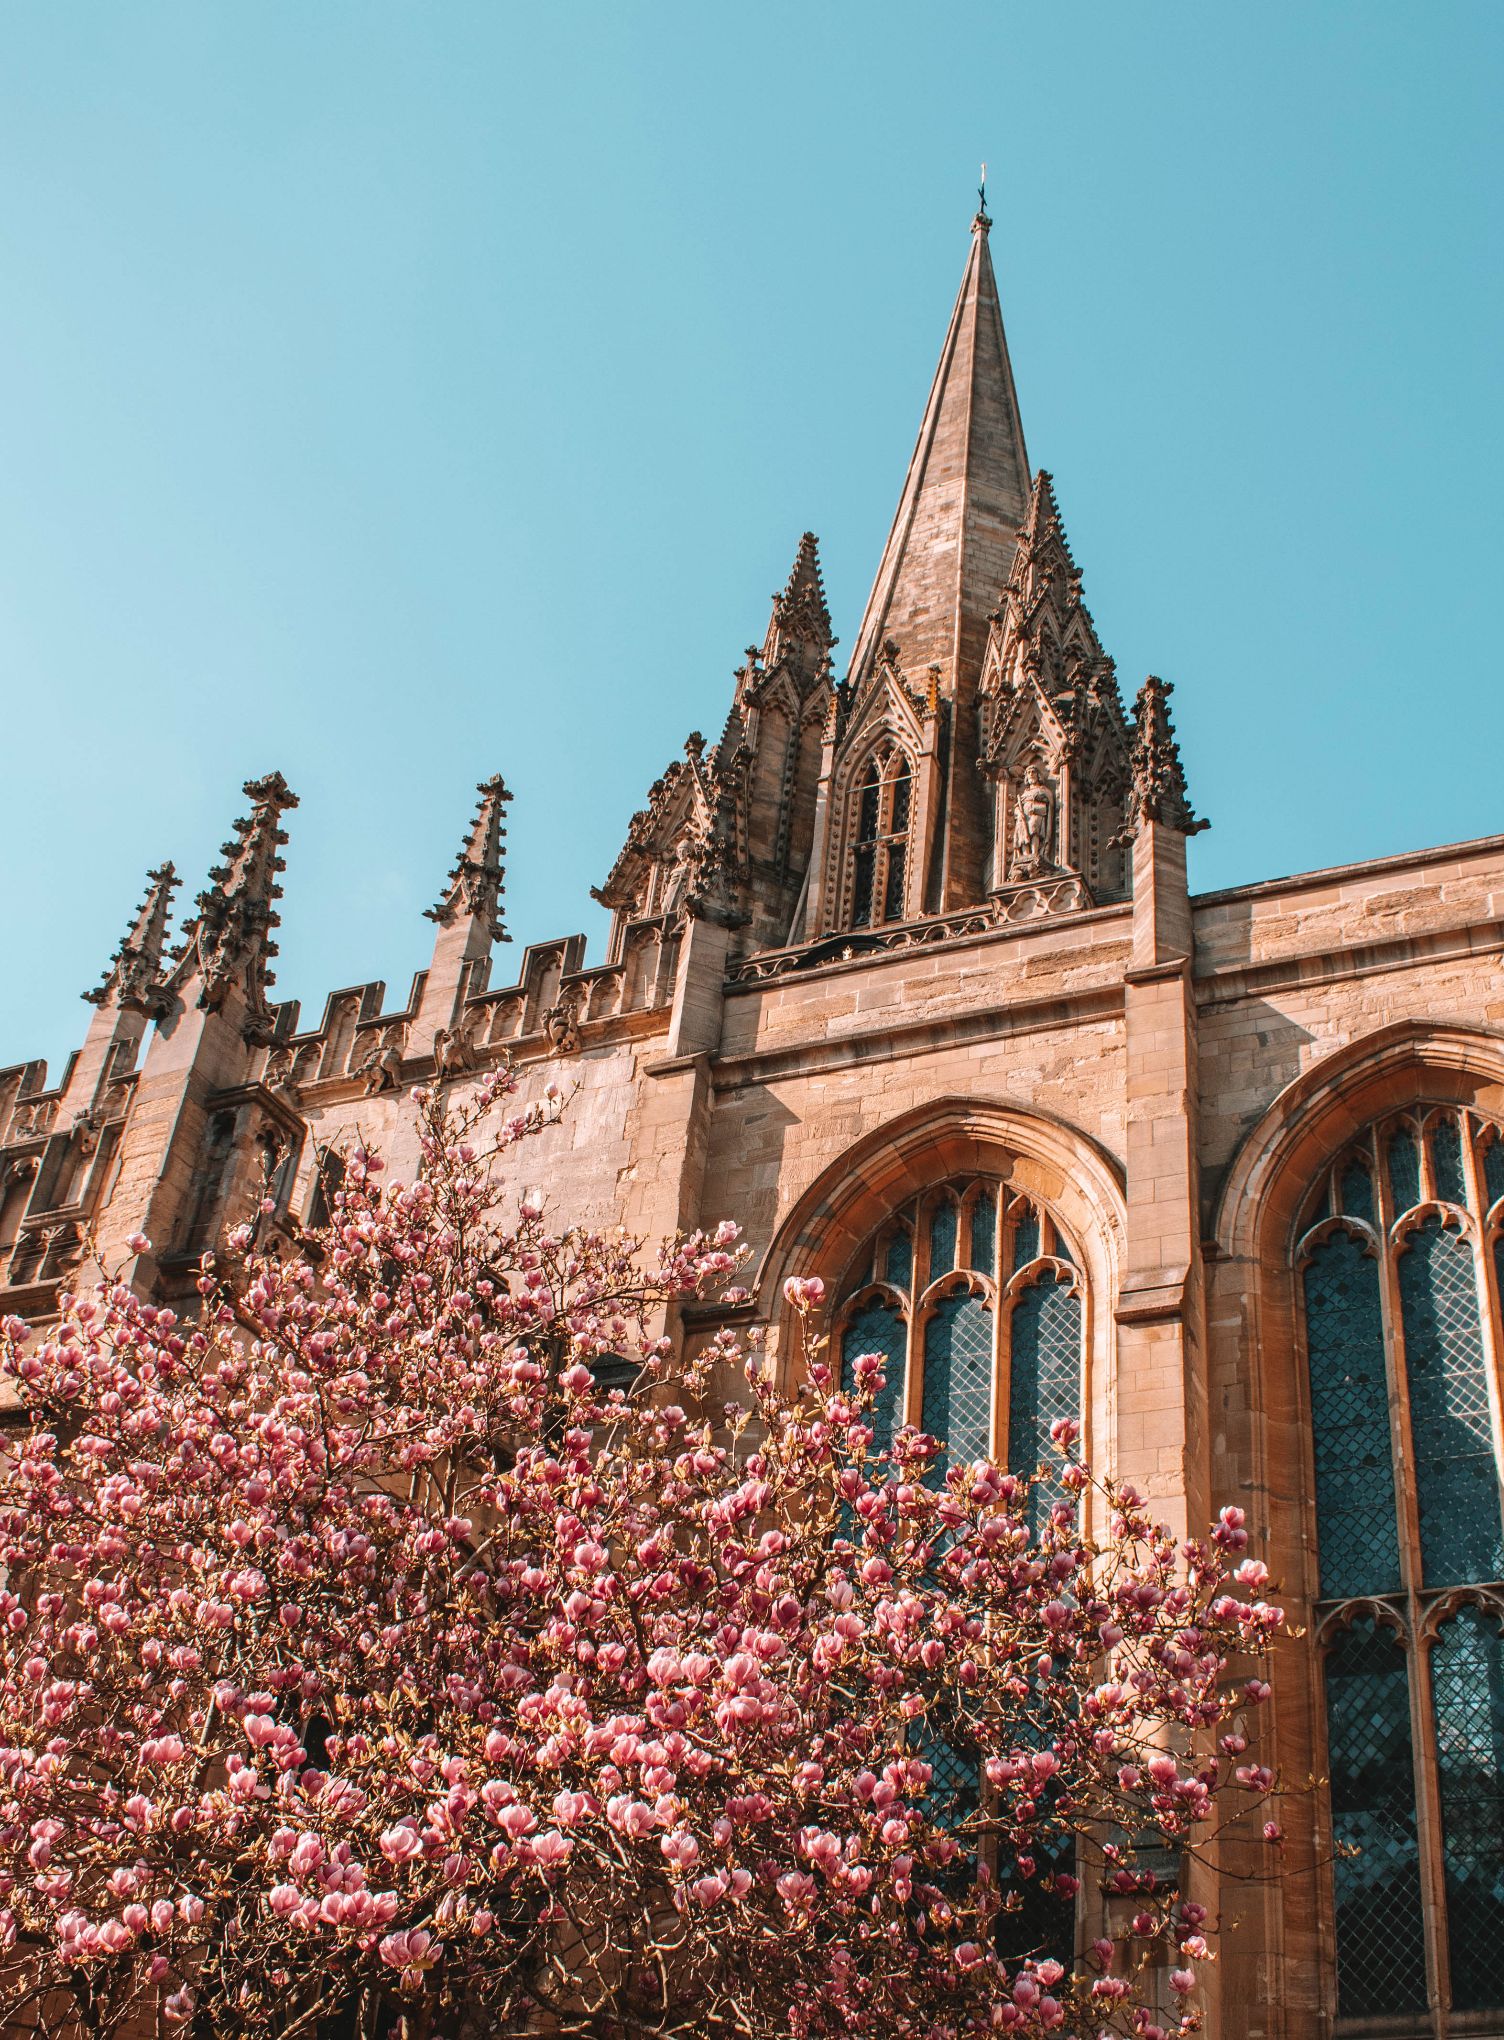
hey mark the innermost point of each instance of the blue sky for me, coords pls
(392, 394)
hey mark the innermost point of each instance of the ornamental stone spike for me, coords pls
(229, 942)
(1157, 790)
(134, 977)
(474, 887)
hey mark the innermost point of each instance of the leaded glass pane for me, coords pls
(893, 893)
(943, 1229)
(898, 1261)
(902, 786)
(1381, 1954)
(1467, 1685)
(1025, 1237)
(984, 1232)
(1493, 1168)
(1357, 1192)
(861, 895)
(1456, 1480)
(867, 822)
(955, 1780)
(1404, 1170)
(1045, 1344)
(1357, 1535)
(957, 1401)
(878, 1328)
(1446, 1160)
(1045, 1923)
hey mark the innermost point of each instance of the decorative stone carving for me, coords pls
(280, 1076)
(561, 1022)
(453, 1052)
(381, 1066)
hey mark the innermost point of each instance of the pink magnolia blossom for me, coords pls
(362, 1659)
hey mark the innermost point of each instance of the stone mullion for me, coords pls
(1428, 1807)
(1427, 1800)
(1002, 1376)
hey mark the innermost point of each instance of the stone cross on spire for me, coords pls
(474, 887)
(134, 978)
(228, 944)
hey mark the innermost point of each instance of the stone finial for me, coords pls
(134, 978)
(800, 610)
(1157, 789)
(229, 941)
(474, 887)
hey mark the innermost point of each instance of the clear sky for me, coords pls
(393, 394)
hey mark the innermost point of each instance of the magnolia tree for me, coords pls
(369, 1667)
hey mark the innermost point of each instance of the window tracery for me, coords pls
(1399, 1268)
(973, 1295)
(880, 844)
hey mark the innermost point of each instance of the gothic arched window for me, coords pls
(880, 841)
(972, 1294)
(1399, 1272)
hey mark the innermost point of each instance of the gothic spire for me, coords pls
(965, 496)
(134, 977)
(474, 887)
(799, 634)
(1157, 790)
(229, 941)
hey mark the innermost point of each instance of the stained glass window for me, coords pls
(1446, 1160)
(1025, 1236)
(984, 1232)
(1456, 1477)
(880, 842)
(1401, 1406)
(962, 1326)
(1381, 1955)
(1357, 1192)
(1467, 1692)
(1404, 1169)
(1357, 1536)
(898, 1262)
(957, 1403)
(943, 1227)
(1493, 1168)
(1046, 1380)
(878, 1328)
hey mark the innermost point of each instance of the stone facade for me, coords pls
(925, 922)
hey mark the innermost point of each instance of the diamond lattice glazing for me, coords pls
(1456, 1479)
(1467, 1687)
(1381, 1955)
(1357, 1537)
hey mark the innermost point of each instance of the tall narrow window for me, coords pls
(880, 850)
(974, 1299)
(1467, 1692)
(1398, 1275)
(1381, 1955)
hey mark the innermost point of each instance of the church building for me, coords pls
(905, 976)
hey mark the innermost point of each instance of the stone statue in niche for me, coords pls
(680, 874)
(1033, 824)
